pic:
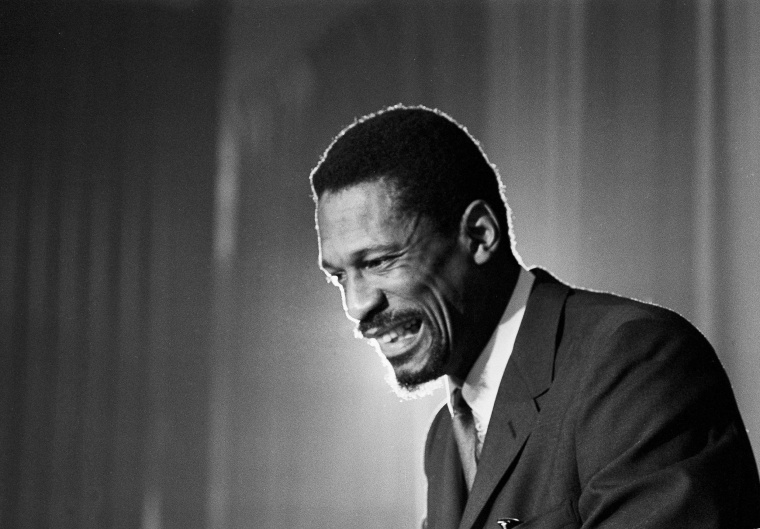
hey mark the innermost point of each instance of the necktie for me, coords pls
(465, 435)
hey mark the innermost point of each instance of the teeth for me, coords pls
(394, 334)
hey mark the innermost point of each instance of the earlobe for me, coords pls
(480, 230)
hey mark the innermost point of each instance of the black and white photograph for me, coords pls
(425, 264)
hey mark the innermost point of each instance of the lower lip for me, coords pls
(401, 345)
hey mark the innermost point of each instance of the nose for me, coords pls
(360, 297)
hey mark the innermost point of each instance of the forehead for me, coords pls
(359, 218)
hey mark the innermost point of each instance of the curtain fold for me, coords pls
(106, 191)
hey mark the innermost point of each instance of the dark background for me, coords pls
(171, 356)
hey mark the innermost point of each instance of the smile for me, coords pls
(396, 342)
(400, 332)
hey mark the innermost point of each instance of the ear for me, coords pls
(480, 231)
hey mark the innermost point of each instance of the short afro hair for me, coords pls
(435, 166)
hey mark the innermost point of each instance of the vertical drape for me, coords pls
(107, 170)
(627, 138)
(738, 176)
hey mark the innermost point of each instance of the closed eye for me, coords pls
(378, 261)
(374, 263)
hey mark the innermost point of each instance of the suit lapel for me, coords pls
(528, 375)
(448, 493)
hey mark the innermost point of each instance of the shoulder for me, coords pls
(602, 320)
(609, 308)
(598, 319)
(628, 359)
(615, 351)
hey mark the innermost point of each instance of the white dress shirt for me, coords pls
(482, 383)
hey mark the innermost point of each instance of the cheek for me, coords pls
(433, 284)
(414, 285)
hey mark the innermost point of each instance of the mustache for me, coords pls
(383, 320)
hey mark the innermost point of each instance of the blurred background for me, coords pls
(171, 356)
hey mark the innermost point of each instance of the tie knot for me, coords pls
(458, 402)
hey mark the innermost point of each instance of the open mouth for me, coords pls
(402, 338)
(400, 332)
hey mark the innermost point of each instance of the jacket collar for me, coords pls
(528, 375)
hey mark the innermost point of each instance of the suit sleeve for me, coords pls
(659, 439)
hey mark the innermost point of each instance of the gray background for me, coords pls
(170, 354)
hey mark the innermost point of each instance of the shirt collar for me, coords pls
(482, 383)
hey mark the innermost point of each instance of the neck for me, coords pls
(490, 296)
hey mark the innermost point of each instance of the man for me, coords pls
(568, 408)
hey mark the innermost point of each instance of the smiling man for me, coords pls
(567, 408)
(409, 285)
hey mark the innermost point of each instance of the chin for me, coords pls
(413, 379)
(412, 392)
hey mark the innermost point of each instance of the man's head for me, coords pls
(414, 231)
(437, 168)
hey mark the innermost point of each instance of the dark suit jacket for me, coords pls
(611, 413)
